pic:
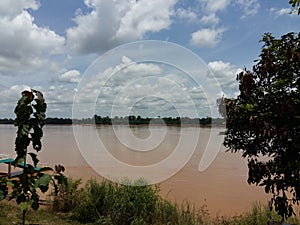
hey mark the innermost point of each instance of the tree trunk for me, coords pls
(23, 218)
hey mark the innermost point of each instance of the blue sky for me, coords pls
(50, 44)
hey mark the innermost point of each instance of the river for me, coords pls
(221, 185)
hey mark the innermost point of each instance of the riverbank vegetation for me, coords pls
(136, 204)
(132, 120)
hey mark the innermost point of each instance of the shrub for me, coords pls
(122, 204)
(68, 195)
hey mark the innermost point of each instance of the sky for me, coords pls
(132, 57)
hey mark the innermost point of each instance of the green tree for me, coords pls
(264, 120)
(295, 4)
(30, 119)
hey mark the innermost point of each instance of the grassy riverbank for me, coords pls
(113, 204)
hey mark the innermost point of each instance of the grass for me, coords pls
(114, 204)
(10, 214)
(259, 214)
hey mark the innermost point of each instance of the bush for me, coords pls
(68, 196)
(134, 204)
(122, 204)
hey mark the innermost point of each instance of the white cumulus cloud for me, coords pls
(187, 14)
(11, 8)
(207, 37)
(225, 73)
(214, 6)
(114, 22)
(71, 76)
(24, 45)
(210, 10)
(9, 98)
(142, 87)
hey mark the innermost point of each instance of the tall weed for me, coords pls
(137, 203)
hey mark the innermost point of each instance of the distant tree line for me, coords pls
(132, 120)
(138, 120)
(56, 120)
(6, 121)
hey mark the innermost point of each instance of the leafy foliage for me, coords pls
(264, 120)
(26, 123)
(30, 119)
(295, 3)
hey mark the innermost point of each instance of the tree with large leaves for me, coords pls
(30, 119)
(263, 122)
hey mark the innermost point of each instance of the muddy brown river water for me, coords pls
(222, 186)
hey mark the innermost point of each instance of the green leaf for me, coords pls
(21, 198)
(35, 204)
(25, 129)
(43, 180)
(34, 158)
